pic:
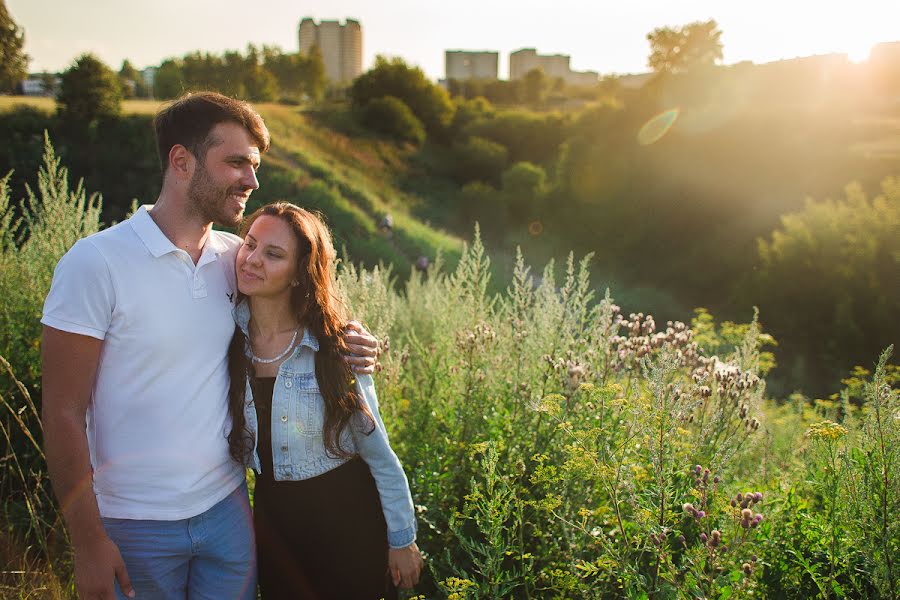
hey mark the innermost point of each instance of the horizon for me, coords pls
(609, 40)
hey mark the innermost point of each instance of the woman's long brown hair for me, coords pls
(317, 306)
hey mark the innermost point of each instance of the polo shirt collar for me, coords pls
(157, 242)
(241, 314)
(150, 233)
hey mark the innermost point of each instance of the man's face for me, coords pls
(222, 182)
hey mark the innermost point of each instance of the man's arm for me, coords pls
(69, 365)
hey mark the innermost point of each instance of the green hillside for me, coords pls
(353, 181)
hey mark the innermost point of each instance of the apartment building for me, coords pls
(340, 45)
(467, 64)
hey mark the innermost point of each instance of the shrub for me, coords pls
(390, 116)
(478, 159)
(429, 103)
(89, 91)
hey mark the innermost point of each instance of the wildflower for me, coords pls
(746, 513)
(747, 568)
(688, 507)
(826, 431)
(703, 538)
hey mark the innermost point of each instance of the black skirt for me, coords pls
(319, 538)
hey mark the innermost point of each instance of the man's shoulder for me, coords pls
(228, 241)
(115, 235)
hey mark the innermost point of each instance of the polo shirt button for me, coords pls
(284, 448)
(284, 418)
(287, 383)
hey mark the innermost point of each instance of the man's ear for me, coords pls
(181, 162)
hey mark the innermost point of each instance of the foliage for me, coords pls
(524, 186)
(679, 49)
(260, 75)
(13, 61)
(32, 240)
(535, 86)
(89, 92)
(169, 81)
(555, 447)
(527, 137)
(393, 77)
(132, 82)
(390, 116)
(478, 159)
(841, 260)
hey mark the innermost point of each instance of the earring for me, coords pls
(295, 283)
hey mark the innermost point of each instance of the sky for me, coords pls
(599, 35)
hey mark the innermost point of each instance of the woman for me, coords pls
(332, 508)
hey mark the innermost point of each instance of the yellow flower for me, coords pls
(826, 430)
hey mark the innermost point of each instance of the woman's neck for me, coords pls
(271, 316)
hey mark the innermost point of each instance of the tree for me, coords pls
(681, 49)
(169, 80)
(826, 284)
(287, 69)
(535, 86)
(524, 185)
(392, 117)
(479, 159)
(13, 62)
(89, 91)
(132, 81)
(392, 77)
(314, 79)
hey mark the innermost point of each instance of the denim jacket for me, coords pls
(298, 449)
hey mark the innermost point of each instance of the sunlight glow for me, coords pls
(654, 129)
(859, 52)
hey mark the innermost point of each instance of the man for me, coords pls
(135, 379)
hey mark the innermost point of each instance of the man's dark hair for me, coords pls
(189, 120)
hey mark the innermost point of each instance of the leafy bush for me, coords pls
(555, 447)
(840, 259)
(478, 159)
(428, 102)
(390, 116)
(89, 91)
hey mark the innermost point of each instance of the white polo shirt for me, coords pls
(158, 417)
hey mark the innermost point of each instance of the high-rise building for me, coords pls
(340, 45)
(464, 64)
(553, 65)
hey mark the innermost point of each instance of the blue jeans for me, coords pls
(210, 556)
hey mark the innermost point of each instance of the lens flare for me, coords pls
(654, 129)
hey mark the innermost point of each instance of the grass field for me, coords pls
(140, 107)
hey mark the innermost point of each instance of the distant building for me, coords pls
(149, 77)
(527, 59)
(40, 84)
(340, 45)
(554, 66)
(465, 64)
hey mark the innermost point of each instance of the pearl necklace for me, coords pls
(284, 352)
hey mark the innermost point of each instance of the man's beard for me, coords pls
(210, 201)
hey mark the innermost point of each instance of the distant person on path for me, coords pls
(138, 323)
(333, 512)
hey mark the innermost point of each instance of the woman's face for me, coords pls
(267, 260)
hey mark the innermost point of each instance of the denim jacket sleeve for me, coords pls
(374, 448)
